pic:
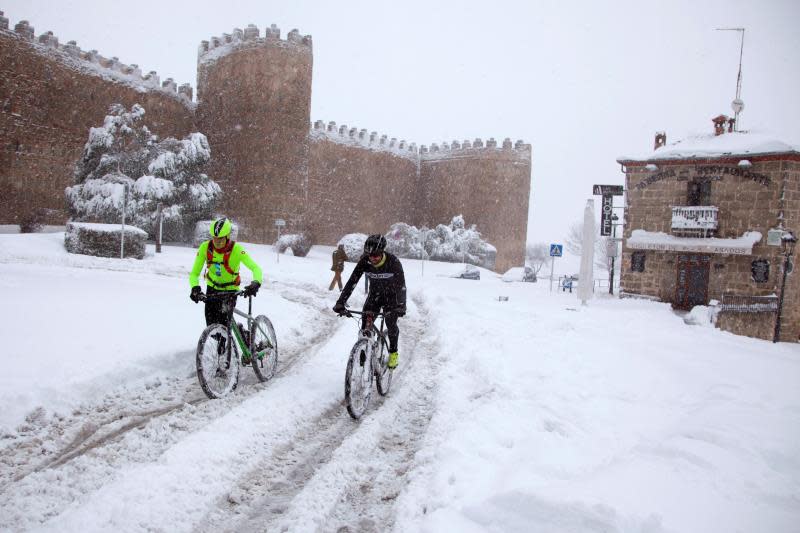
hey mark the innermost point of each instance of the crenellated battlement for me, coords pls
(467, 148)
(353, 136)
(217, 47)
(89, 61)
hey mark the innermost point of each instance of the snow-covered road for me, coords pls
(532, 414)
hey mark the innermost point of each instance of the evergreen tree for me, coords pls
(123, 161)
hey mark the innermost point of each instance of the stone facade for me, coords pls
(253, 104)
(478, 182)
(254, 100)
(48, 101)
(752, 193)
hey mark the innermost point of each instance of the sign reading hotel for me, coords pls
(608, 192)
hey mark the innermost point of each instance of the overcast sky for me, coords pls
(582, 82)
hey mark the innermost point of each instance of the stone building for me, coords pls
(705, 222)
(253, 104)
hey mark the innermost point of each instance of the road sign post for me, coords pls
(556, 250)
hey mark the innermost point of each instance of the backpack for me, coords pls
(226, 257)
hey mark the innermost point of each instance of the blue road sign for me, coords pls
(555, 250)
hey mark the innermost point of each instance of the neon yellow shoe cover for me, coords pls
(392, 360)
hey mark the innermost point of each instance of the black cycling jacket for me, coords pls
(387, 283)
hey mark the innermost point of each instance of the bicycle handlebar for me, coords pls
(221, 296)
(351, 312)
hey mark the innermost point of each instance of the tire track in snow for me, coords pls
(363, 496)
(81, 453)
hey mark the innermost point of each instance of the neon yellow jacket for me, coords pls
(217, 276)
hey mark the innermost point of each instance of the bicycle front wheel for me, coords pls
(358, 379)
(217, 362)
(383, 374)
(264, 347)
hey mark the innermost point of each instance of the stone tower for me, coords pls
(254, 101)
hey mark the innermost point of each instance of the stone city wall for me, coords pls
(488, 184)
(359, 182)
(50, 95)
(253, 104)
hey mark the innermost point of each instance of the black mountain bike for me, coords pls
(369, 357)
(219, 357)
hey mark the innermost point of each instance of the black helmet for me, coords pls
(374, 244)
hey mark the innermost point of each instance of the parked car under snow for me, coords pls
(526, 274)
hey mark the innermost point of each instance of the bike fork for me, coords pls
(228, 358)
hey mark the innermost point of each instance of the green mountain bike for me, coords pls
(369, 357)
(222, 348)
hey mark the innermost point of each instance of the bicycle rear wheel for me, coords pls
(383, 374)
(264, 347)
(217, 366)
(358, 379)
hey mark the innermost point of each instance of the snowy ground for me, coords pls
(532, 414)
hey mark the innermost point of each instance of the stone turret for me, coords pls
(3, 22)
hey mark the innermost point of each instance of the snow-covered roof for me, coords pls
(649, 240)
(740, 143)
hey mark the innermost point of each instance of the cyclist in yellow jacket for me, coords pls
(222, 258)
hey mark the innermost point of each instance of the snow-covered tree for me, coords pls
(573, 242)
(123, 158)
(454, 243)
(537, 254)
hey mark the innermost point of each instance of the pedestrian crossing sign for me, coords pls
(555, 250)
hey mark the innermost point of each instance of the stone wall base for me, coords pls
(758, 325)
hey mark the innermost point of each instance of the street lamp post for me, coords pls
(788, 242)
(614, 219)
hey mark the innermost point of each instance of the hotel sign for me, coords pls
(608, 192)
(613, 190)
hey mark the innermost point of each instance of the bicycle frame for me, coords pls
(366, 332)
(233, 326)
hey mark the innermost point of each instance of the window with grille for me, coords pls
(637, 261)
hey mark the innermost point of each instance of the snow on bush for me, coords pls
(298, 243)
(123, 155)
(454, 243)
(104, 240)
(353, 245)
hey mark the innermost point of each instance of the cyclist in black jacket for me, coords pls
(387, 288)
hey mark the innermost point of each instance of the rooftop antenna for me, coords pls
(737, 105)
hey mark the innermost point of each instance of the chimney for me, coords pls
(661, 139)
(719, 124)
(731, 124)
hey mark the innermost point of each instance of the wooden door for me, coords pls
(692, 286)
